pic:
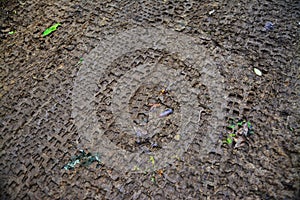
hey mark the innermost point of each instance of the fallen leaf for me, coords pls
(51, 29)
(231, 135)
(154, 106)
(257, 72)
(163, 91)
(160, 172)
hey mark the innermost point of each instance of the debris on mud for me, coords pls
(84, 159)
(152, 123)
(156, 175)
(163, 92)
(152, 160)
(154, 106)
(166, 112)
(160, 172)
(11, 32)
(269, 26)
(240, 131)
(257, 72)
(79, 62)
(153, 179)
(211, 12)
(51, 29)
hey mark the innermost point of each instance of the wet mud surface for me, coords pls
(102, 80)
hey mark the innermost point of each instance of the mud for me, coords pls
(196, 58)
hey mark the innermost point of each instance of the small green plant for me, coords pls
(229, 139)
(236, 128)
(84, 159)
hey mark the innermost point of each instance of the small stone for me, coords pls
(177, 137)
(211, 12)
(257, 72)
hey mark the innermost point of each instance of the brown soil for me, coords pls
(39, 133)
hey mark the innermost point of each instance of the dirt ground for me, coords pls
(50, 110)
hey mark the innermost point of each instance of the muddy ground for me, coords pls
(40, 77)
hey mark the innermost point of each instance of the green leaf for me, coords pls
(240, 123)
(231, 135)
(229, 140)
(153, 179)
(11, 32)
(51, 29)
(80, 61)
(249, 124)
(231, 126)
